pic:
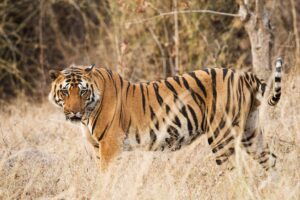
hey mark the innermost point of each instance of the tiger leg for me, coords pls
(109, 148)
(258, 150)
(92, 143)
(252, 142)
(224, 148)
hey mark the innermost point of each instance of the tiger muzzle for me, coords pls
(74, 117)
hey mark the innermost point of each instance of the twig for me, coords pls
(41, 44)
(181, 12)
(176, 39)
(294, 14)
(160, 49)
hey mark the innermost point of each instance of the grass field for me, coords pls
(44, 157)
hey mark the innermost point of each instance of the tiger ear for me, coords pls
(90, 68)
(54, 74)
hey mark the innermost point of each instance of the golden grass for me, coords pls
(44, 157)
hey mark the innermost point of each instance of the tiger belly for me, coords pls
(167, 138)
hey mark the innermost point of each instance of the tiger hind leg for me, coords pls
(259, 151)
(253, 143)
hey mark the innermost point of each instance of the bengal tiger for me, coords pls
(165, 115)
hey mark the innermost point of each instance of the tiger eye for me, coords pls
(83, 91)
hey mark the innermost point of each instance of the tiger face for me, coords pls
(71, 89)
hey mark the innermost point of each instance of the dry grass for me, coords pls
(42, 156)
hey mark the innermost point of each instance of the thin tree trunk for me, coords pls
(257, 25)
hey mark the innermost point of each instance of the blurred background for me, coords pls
(39, 35)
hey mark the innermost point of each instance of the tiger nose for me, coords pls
(78, 114)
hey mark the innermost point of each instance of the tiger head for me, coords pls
(73, 91)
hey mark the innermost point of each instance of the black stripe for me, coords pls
(203, 123)
(228, 95)
(250, 137)
(217, 131)
(152, 114)
(200, 85)
(274, 98)
(194, 116)
(170, 86)
(158, 97)
(206, 70)
(103, 133)
(121, 81)
(277, 89)
(133, 89)
(225, 70)
(227, 154)
(100, 73)
(92, 87)
(189, 124)
(172, 131)
(263, 161)
(247, 77)
(222, 145)
(176, 78)
(168, 109)
(109, 72)
(277, 95)
(177, 122)
(214, 91)
(277, 79)
(193, 93)
(127, 90)
(157, 125)
(152, 138)
(137, 137)
(96, 119)
(143, 98)
(253, 78)
(185, 83)
(181, 140)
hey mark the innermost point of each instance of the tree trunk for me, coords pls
(257, 25)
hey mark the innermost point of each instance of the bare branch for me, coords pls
(176, 39)
(181, 12)
(160, 49)
(296, 33)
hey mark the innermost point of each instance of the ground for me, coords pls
(42, 156)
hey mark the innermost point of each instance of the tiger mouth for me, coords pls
(74, 119)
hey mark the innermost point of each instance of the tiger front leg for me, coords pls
(109, 148)
(223, 144)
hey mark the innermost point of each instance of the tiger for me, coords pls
(117, 115)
